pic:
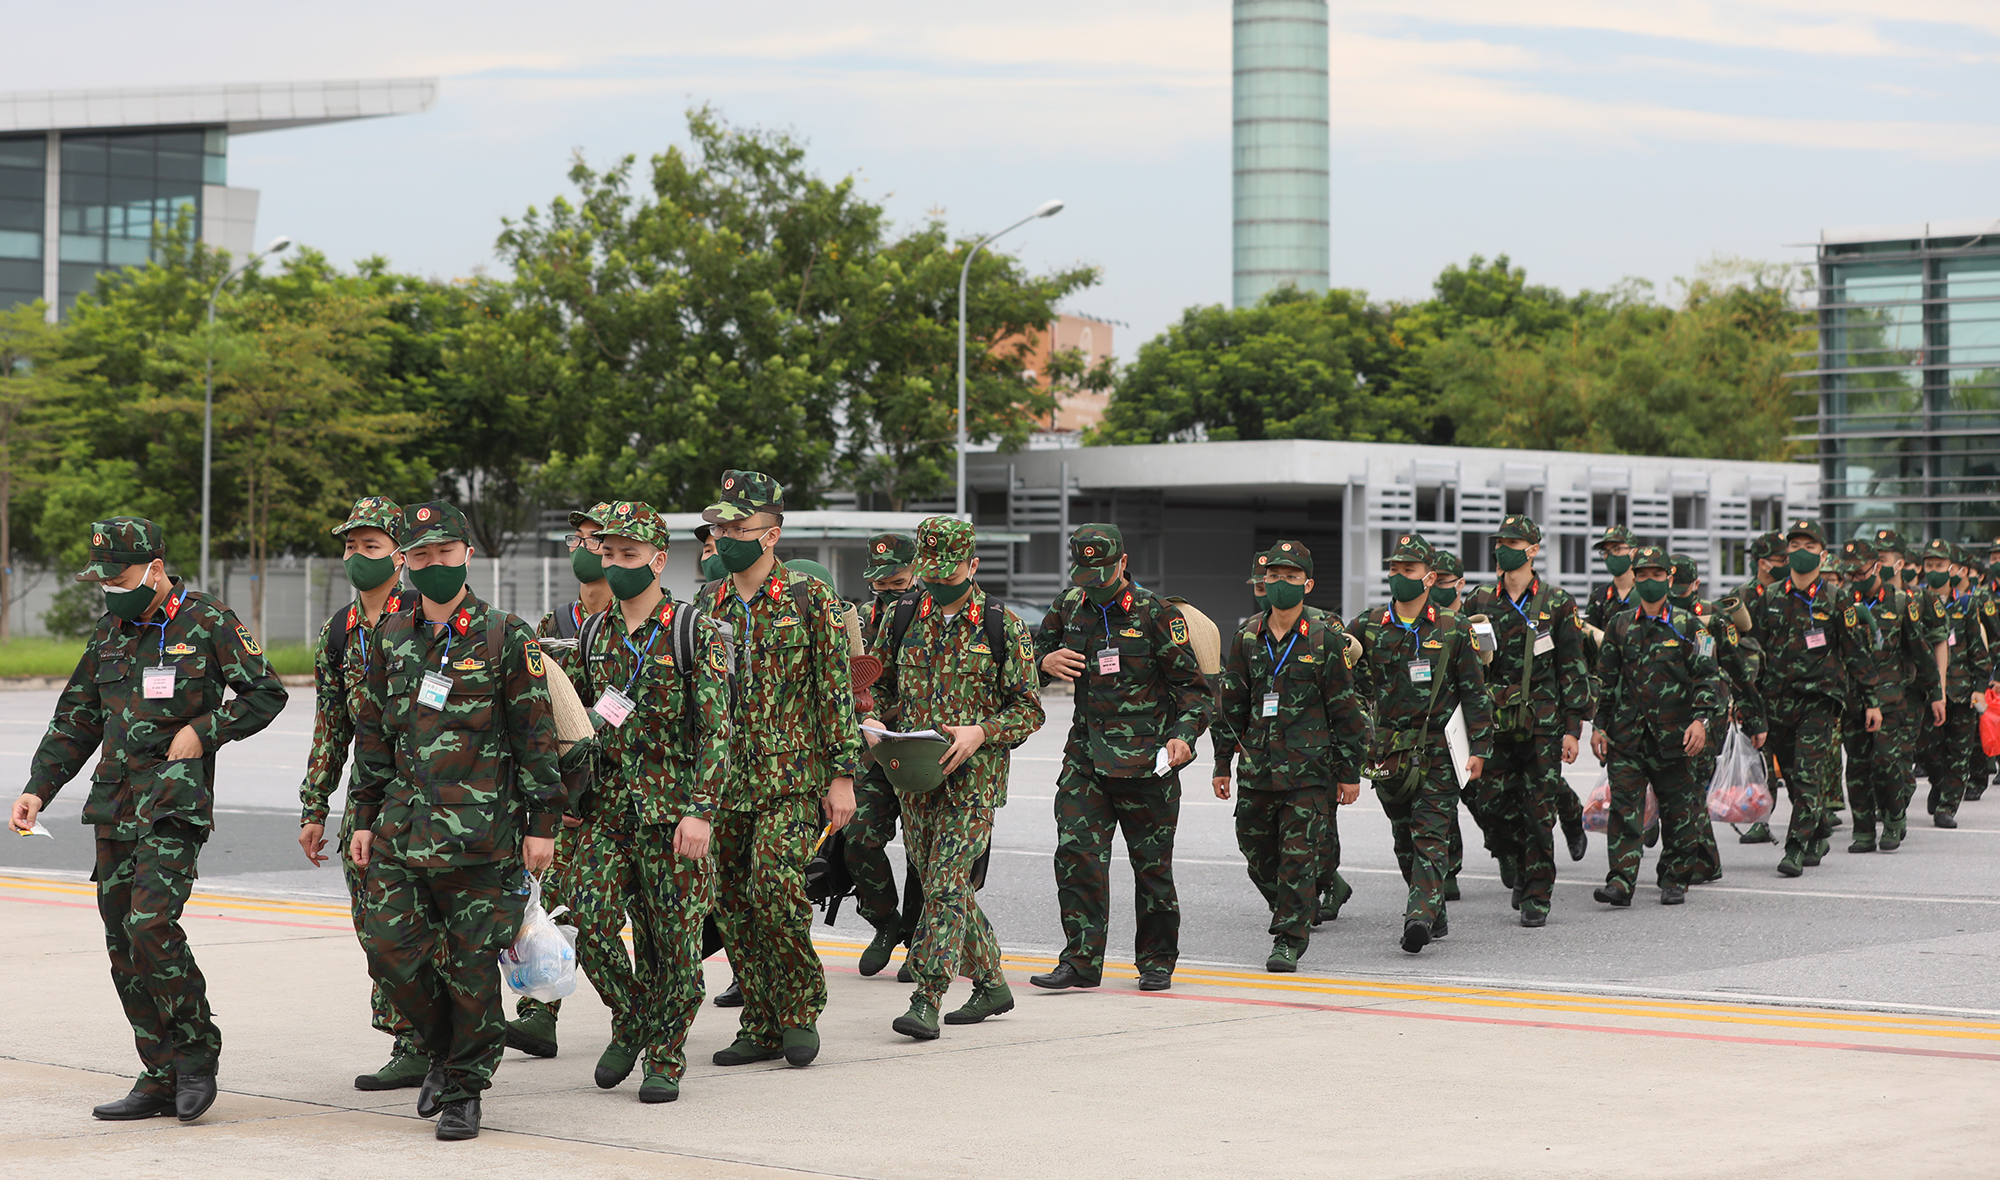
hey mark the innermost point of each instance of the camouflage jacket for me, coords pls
(944, 673)
(792, 713)
(1404, 714)
(671, 756)
(1972, 641)
(444, 788)
(1558, 697)
(1317, 734)
(563, 623)
(337, 687)
(1603, 605)
(1739, 659)
(104, 703)
(1121, 722)
(1903, 664)
(1658, 679)
(1814, 646)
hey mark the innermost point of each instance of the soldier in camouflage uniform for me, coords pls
(1418, 664)
(1449, 593)
(795, 751)
(1286, 700)
(340, 668)
(1978, 583)
(891, 574)
(662, 717)
(1768, 572)
(1614, 597)
(1539, 685)
(458, 787)
(944, 672)
(1971, 635)
(1139, 692)
(1903, 668)
(1814, 670)
(1737, 684)
(533, 1030)
(149, 690)
(1662, 693)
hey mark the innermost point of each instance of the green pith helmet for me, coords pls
(913, 765)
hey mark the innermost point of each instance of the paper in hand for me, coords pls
(37, 830)
(1162, 764)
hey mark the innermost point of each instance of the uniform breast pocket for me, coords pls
(462, 817)
(469, 707)
(783, 691)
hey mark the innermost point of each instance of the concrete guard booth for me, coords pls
(1195, 514)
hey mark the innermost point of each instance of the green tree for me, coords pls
(37, 387)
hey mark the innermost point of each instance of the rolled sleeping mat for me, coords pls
(1203, 636)
(1732, 608)
(1484, 637)
(572, 719)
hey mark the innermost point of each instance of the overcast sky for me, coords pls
(1588, 139)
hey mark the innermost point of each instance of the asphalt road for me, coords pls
(1920, 926)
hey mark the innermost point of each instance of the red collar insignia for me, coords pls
(667, 613)
(1125, 603)
(462, 621)
(173, 606)
(353, 617)
(394, 604)
(1431, 613)
(1388, 616)
(924, 611)
(777, 585)
(1303, 626)
(576, 614)
(974, 612)
(721, 593)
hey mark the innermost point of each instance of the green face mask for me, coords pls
(1866, 587)
(712, 569)
(1444, 597)
(1936, 579)
(946, 593)
(1403, 589)
(1618, 565)
(1652, 589)
(1103, 595)
(1284, 595)
(1512, 559)
(130, 604)
(1684, 601)
(630, 581)
(439, 583)
(587, 566)
(738, 555)
(1803, 561)
(368, 573)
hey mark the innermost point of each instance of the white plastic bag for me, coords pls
(1597, 807)
(542, 962)
(1738, 793)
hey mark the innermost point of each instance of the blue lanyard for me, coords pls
(446, 624)
(180, 598)
(1665, 619)
(1106, 612)
(1518, 608)
(1278, 661)
(641, 669)
(1416, 641)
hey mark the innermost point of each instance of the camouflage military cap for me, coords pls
(811, 569)
(943, 542)
(1651, 557)
(701, 532)
(1448, 565)
(888, 553)
(373, 512)
(1960, 555)
(1412, 547)
(1838, 567)
(1094, 550)
(1520, 528)
(1683, 568)
(1617, 534)
(1938, 547)
(1287, 553)
(636, 521)
(427, 524)
(593, 515)
(744, 495)
(119, 542)
(1805, 528)
(1771, 544)
(1860, 550)
(1889, 541)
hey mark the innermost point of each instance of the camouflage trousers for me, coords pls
(1946, 752)
(1804, 738)
(876, 809)
(1281, 834)
(1881, 774)
(1329, 847)
(760, 859)
(1147, 810)
(433, 938)
(1525, 772)
(601, 882)
(1656, 760)
(1701, 769)
(384, 1016)
(142, 886)
(1422, 826)
(668, 897)
(954, 938)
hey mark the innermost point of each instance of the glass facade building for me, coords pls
(1281, 195)
(1908, 381)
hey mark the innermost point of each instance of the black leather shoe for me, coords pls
(1611, 896)
(1673, 895)
(459, 1120)
(1579, 844)
(133, 1106)
(427, 1094)
(1155, 981)
(731, 996)
(193, 1096)
(1063, 977)
(1534, 918)
(1945, 819)
(1416, 936)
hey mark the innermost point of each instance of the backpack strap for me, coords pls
(569, 621)
(586, 640)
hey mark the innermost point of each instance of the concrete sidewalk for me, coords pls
(1232, 1074)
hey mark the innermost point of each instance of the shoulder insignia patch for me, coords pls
(1847, 616)
(534, 654)
(1178, 629)
(1914, 618)
(1729, 629)
(1988, 608)
(249, 644)
(718, 658)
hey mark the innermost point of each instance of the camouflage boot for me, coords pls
(921, 1021)
(535, 1032)
(1864, 835)
(1893, 832)
(986, 1001)
(406, 1068)
(1759, 833)
(876, 957)
(1329, 905)
(1284, 955)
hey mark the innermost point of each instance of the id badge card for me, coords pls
(1420, 671)
(1544, 643)
(613, 706)
(1270, 705)
(1815, 638)
(159, 682)
(1705, 644)
(1107, 662)
(431, 694)
(1951, 639)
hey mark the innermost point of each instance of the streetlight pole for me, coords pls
(278, 245)
(1048, 209)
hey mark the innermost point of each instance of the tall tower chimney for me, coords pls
(1280, 107)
